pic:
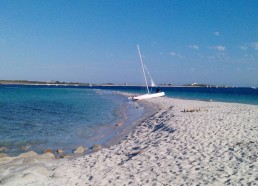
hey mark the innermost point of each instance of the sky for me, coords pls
(94, 41)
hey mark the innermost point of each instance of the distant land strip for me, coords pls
(27, 82)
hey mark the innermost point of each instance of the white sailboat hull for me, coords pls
(147, 96)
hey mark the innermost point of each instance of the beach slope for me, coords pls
(183, 142)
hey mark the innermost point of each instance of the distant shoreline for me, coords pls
(57, 83)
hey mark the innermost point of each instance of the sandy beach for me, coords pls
(184, 142)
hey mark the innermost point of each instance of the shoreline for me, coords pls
(183, 142)
(113, 133)
(148, 112)
(166, 85)
(118, 85)
(101, 137)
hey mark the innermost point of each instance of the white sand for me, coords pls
(216, 144)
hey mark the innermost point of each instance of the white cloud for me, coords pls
(219, 48)
(249, 56)
(254, 45)
(216, 33)
(196, 47)
(219, 57)
(242, 47)
(174, 54)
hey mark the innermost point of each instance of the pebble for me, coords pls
(25, 148)
(59, 151)
(2, 149)
(3, 155)
(96, 147)
(79, 150)
(120, 123)
(48, 150)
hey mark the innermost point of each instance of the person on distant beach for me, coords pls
(157, 90)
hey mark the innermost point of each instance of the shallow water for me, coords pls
(39, 118)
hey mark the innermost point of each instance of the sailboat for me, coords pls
(253, 87)
(148, 95)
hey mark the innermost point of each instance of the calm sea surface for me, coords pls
(233, 95)
(41, 117)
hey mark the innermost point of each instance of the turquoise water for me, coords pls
(50, 118)
(41, 117)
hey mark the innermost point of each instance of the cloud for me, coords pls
(242, 47)
(216, 33)
(249, 56)
(196, 47)
(222, 57)
(219, 48)
(174, 54)
(254, 45)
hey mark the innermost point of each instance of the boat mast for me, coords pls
(143, 69)
(152, 82)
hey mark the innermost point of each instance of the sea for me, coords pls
(65, 117)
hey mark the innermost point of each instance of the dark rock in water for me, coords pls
(48, 150)
(96, 147)
(2, 149)
(79, 150)
(59, 151)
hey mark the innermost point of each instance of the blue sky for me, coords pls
(95, 41)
